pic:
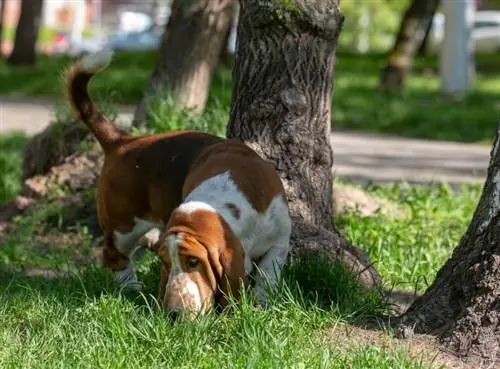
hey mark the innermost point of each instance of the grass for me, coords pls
(11, 148)
(59, 308)
(419, 111)
(409, 249)
(80, 319)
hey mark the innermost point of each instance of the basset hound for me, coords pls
(142, 178)
(233, 220)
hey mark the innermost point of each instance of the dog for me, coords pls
(142, 177)
(234, 221)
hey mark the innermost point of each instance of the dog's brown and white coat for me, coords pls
(141, 179)
(234, 217)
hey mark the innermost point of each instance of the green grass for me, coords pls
(80, 319)
(408, 249)
(419, 111)
(11, 148)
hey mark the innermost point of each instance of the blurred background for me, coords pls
(78, 26)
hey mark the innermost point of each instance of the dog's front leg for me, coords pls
(128, 244)
(268, 271)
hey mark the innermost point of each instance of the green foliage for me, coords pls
(382, 17)
(419, 111)
(165, 116)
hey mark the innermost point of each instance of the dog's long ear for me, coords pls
(229, 267)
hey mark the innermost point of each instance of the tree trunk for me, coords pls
(424, 45)
(189, 53)
(282, 83)
(462, 306)
(410, 35)
(2, 15)
(226, 58)
(24, 51)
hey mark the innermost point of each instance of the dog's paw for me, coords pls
(127, 279)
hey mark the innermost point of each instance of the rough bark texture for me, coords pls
(282, 84)
(409, 38)
(24, 52)
(462, 306)
(189, 54)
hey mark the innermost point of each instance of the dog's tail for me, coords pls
(77, 79)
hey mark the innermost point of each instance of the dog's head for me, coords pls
(203, 263)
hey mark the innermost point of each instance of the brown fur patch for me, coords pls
(242, 163)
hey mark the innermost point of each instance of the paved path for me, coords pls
(360, 157)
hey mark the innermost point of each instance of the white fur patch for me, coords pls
(192, 206)
(96, 61)
(178, 278)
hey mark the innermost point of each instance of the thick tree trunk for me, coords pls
(282, 83)
(462, 306)
(410, 35)
(189, 54)
(24, 52)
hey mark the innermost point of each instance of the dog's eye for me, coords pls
(192, 262)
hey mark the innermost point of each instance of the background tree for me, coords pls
(189, 54)
(409, 38)
(282, 85)
(24, 51)
(2, 15)
(462, 306)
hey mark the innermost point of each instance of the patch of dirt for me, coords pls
(66, 185)
(421, 348)
(52, 146)
(348, 198)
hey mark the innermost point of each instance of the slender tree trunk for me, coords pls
(462, 306)
(410, 35)
(2, 16)
(24, 51)
(282, 84)
(189, 54)
(422, 49)
(226, 58)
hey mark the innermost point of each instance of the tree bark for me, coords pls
(462, 306)
(410, 35)
(24, 51)
(282, 83)
(189, 54)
